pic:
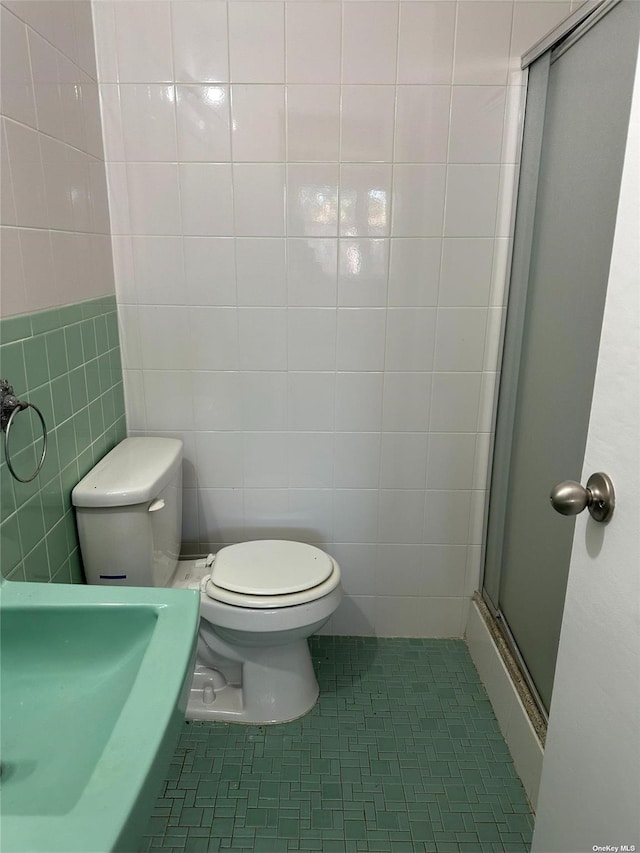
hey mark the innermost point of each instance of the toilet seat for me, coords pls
(271, 573)
(270, 567)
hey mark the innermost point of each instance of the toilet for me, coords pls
(259, 601)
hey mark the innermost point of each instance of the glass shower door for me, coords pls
(574, 140)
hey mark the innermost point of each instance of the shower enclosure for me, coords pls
(580, 82)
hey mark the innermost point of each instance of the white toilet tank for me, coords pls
(129, 513)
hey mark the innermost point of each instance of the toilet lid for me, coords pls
(270, 567)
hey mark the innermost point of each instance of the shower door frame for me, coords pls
(543, 53)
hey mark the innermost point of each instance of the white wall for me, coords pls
(310, 203)
(55, 216)
(590, 788)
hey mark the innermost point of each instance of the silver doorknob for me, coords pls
(570, 498)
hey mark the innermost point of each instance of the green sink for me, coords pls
(94, 686)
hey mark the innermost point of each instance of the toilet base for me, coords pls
(258, 677)
(272, 685)
(213, 704)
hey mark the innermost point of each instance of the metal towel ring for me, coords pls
(9, 404)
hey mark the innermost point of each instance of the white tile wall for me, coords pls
(312, 195)
(55, 219)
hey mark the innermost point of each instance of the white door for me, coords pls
(590, 790)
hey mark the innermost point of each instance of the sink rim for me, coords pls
(106, 805)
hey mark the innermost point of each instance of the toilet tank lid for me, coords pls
(132, 473)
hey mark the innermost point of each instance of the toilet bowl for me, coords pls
(259, 600)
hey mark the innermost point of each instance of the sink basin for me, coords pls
(94, 686)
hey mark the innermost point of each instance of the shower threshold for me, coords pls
(530, 701)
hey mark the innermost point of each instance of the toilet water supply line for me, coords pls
(9, 407)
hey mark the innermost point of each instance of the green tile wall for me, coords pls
(67, 361)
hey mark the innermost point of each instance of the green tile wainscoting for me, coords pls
(402, 754)
(66, 360)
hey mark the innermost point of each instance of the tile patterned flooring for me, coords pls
(402, 753)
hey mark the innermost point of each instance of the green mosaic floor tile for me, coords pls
(401, 753)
